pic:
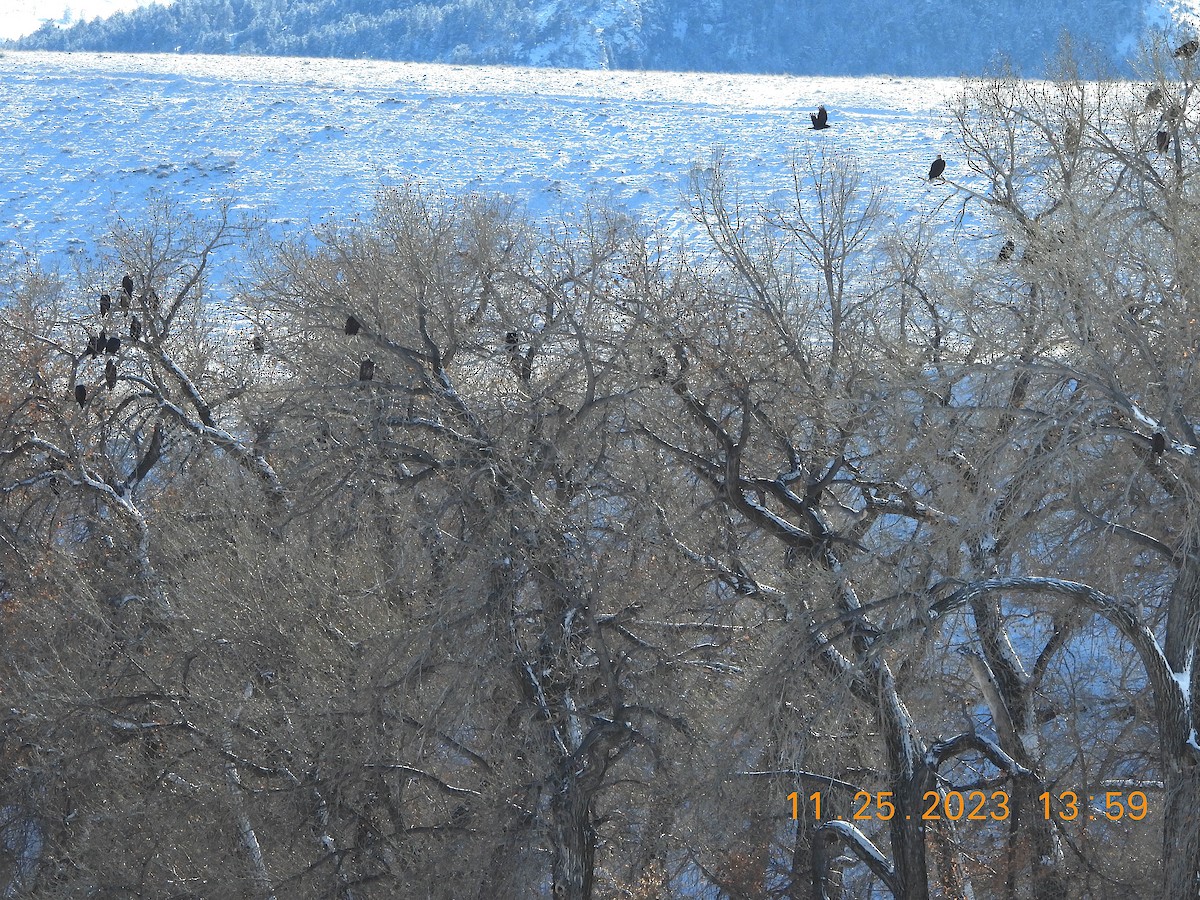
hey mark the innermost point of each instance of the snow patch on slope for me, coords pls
(298, 141)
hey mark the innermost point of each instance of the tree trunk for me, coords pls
(1177, 734)
(573, 838)
(1181, 834)
(908, 832)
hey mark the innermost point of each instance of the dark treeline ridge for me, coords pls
(834, 555)
(826, 37)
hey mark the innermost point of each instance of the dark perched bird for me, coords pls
(259, 345)
(659, 369)
(521, 365)
(1187, 50)
(820, 119)
(1162, 141)
(1007, 250)
(105, 304)
(91, 347)
(1174, 114)
(352, 325)
(938, 167)
(1153, 98)
(113, 346)
(127, 285)
(101, 344)
(125, 300)
(1158, 443)
(135, 328)
(1071, 137)
(110, 374)
(81, 394)
(366, 369)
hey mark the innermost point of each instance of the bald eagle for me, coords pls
(81, 394)
(105, 304)
(1158, 443)
(110, 374)
(659, 369)
(1071, 137)
(938, 167)
(1187, 50)
(366, 369)
(135, 328)
(127, 285)
(352, 325)
(113, 346)
(820, 119)
(1162, 141)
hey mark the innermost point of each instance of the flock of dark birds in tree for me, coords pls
(109, 345)
(1173, 115)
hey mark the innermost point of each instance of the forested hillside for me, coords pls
(828, 37)
(464, 555)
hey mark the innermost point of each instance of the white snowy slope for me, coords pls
(21, 17)
(299, 140)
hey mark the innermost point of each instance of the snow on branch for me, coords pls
(861, 846)
(982, 744)
(1170, 695)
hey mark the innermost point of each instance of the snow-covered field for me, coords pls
(297, 140)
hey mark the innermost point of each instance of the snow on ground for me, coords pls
(300, 140)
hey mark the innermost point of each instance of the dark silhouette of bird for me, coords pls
(91, 347)
(1187, 50)
(1162, 140)
(110, 374)
(259, 345)
(101, 344)
(81, 394)
(352, 325)
(521, 365)
(366, 369)
(1007, 250)
(1158, 443)
(127, 285)
(938, 167)
(113, 346)
(1153, 98)
(820, 119)
(124, 301)
(659, 369)
(1071, 137)
(105, 304)
(135, 328)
